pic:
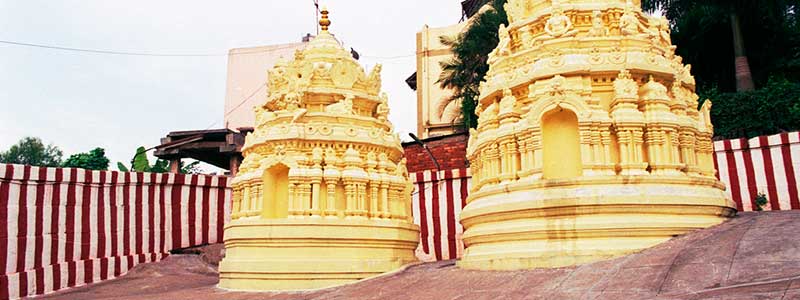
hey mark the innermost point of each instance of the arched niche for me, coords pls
(569, 101)
(561, 157)
(275, 196)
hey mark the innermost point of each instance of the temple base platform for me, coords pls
(557, 223)
(311, 253)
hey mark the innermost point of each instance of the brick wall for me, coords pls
(450, 151)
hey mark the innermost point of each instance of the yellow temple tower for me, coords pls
(589, 144)
(322, 197)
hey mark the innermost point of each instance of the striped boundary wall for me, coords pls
(69, 227)
(54, 216)
(439, 198)
(765, 164)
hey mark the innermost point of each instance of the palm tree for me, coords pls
(465, 71)
(735, 13)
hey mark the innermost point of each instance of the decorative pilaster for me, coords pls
(361, 209)
(330, 203)
(608, 166)
(688, 151)
(508, 151)
(494, 163)
(295, 191)
(305, 198)
(292, 205)
(351, 195)
(587, 155)
(258, 198)
(373, 211)
(355, 180)
(537, 153)
(236, 201)
(331, 175)
(628, 124)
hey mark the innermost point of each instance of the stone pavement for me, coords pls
(753, 256)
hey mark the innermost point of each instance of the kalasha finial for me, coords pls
(324, 21)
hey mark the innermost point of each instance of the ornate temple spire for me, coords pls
(322, 165)
(576, 126)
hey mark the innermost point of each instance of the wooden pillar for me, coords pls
(175, 165)
(233, 164)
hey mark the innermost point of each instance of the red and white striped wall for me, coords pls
(437, 202)
(69, 227)
(766, 164)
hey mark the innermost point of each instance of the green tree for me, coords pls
(734, 45)
(465, 71)
(92, 160)
(717, 36)
(31, 151)
(142, 164)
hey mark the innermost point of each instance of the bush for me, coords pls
(92, 160)
(772, 109)
(761, 201)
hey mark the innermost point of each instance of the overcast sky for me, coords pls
(79, 100)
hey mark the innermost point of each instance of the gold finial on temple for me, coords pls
(324, 21)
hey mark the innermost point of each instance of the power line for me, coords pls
(260, 87)
(151, 54)
(154, 54)
(133, 53)
(245, 99)
(389, 57)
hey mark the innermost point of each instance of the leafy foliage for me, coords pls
(142, 164)
(761, 201)
(160, 166)
(93, 160)
(191, 168)
(31, 151)
(772, 109)
(465, 71)
(702, 30)
(140, 161)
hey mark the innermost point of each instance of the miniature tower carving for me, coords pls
(322, 197)
(589, 143)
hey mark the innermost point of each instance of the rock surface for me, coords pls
(753, 256)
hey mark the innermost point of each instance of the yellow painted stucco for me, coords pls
(322, 197)
(590, 144)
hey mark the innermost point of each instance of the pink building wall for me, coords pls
(247, 77)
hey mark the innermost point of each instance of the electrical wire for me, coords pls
(390, 57)
(132, 53)
(262, 86)
(151, 54)
(217, 121)
(154, 54)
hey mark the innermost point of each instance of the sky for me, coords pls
(79, 100)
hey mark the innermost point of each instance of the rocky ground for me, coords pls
(754, 256)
